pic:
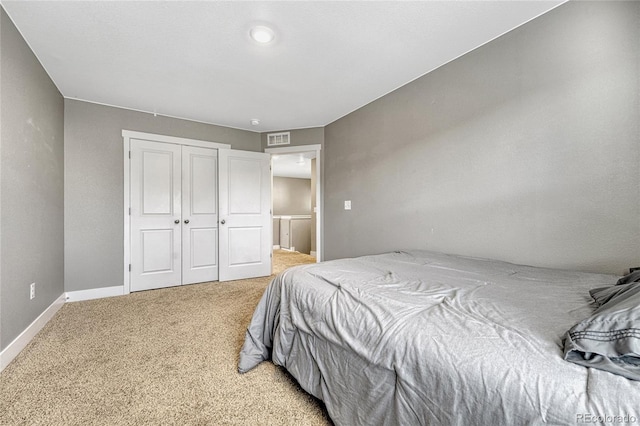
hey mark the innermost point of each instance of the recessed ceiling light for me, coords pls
(262, 34)
(254, 121)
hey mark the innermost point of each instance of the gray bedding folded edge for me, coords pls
(609, 340)
(594, 350)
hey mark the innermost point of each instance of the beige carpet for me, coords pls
(155, 357)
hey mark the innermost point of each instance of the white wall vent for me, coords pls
(276, 139)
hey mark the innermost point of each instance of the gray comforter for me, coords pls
(418, 337)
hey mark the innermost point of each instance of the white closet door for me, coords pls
(199, 215)
(155, 215)
(245, 214)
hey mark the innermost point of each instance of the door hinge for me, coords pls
(129, 154)
(129, 267)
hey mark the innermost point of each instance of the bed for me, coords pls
(418, 337)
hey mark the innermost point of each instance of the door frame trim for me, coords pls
(319, 187)
(127, 135)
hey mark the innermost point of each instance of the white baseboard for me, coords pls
(20, 342)
(94, 293)
(276, 247)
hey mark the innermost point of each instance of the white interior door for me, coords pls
(155, 215)
(245, 214)
(199, 215)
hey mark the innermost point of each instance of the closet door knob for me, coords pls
(176, 221)
(223, 221)
(186, 221)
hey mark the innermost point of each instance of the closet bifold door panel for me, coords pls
(199, 215)
(174, 222)
(156, 213)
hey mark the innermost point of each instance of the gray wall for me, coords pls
(276, 231)
(94, 173)
(291, 196)
(31, 185)
(526, 149)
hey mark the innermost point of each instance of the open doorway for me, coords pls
(296, 200)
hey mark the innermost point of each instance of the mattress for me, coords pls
(419, 337)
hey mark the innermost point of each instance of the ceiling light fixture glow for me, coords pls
(262, 34)
(254, 121)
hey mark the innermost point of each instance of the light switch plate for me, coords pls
(347, 204)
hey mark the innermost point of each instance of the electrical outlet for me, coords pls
(32, 291)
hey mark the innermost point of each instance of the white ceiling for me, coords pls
(195, 60)
(293, 165)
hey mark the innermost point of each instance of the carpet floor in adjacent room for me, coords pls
(161, 357)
